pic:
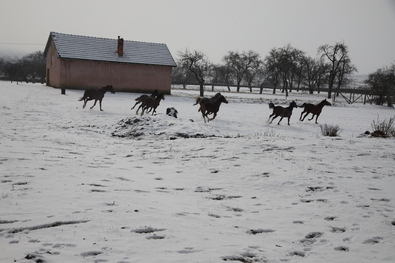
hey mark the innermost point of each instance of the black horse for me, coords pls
(203, 100)
(281, 111)
(96, 94)
(212, 107)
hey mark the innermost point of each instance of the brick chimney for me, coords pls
(120, 46)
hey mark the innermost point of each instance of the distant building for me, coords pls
(81, 62)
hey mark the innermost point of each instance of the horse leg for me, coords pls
(307, 113)
(100, 105)
(270, 117)
(312, 117)
(144, 108)
(289, 119)
(137, 111)
(273, 118)
(280, 121)
(302, 115)
(85, 101)
(316, 118)
(203, 115)
(135, 105)
(215, 115)
(94, 104)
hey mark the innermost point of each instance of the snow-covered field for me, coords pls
(80, 185)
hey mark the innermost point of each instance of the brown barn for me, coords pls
(81, 62)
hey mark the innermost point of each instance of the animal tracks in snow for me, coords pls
(185, 191)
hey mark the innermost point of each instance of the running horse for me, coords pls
(313, 109)
(211, 107)
(202, 100)
(138, 100)
(281, 111)
(150, 103)
(96, 94)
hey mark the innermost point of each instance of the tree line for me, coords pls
(286, 68)
(29, 68)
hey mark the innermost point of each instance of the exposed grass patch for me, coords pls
(384, 128)
(330, 130)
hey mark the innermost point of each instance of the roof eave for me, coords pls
(121, 62)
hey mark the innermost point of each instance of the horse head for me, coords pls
(155, 93)
(293, 104)
(222, 99)
(161, 96)
(109, 88)
(325, 102)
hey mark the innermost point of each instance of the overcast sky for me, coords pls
(213, 27)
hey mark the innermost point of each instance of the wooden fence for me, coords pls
(350, 95)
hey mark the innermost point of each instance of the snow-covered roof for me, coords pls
(104, 49)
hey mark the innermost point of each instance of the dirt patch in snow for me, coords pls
(146, 127)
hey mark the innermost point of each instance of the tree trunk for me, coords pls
(274, 89)
(201, 89)
(389, 101)
(330, 90)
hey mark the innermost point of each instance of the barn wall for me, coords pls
(82, 74)
(53, 67)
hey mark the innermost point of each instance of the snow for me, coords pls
(81, 185)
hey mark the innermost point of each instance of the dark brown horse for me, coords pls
(142, 97)
(212, 107)
(281, 111)
(151, 103)
(96, 94)
(203, 100)
(314, 109)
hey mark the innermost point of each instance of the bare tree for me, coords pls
(382, 84)
(284, 64)
(290, 66)
(338, 57)
(182, 76)
(198, 64)
(222, 74)
(345, 71)
(272, 67)
(314, 73)
(240, 63)
(252, 74)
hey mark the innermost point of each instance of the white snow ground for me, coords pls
(249, 191)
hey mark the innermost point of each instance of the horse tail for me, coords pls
(198, 99)
(83, 97)
(271, 105)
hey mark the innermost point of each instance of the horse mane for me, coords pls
(104, 87)
(322, 102)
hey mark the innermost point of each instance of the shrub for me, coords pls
(383, 128)
(330, 130)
